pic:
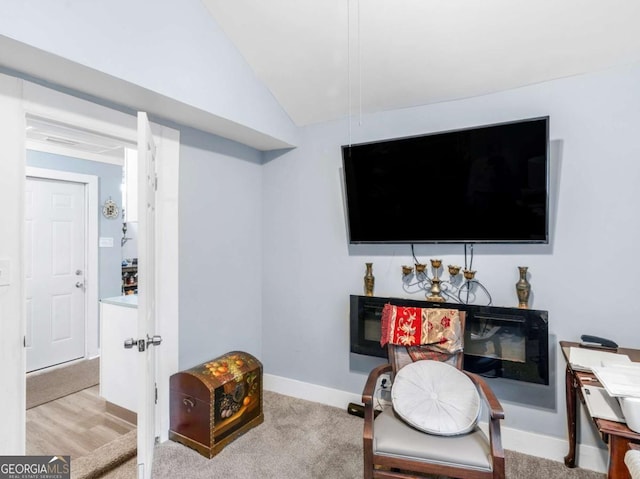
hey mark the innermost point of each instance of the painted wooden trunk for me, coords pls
(215, 402)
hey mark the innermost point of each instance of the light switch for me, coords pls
(5, 272)
(106, 242)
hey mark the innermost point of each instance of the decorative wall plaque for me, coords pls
(110, 209)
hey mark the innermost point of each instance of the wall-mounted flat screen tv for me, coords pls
(488, 184)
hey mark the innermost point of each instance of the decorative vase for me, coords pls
(523, 288)
(369, 280)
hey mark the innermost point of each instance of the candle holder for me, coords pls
(468, 274)
(436, 292)
(407, 270)
(458, 288)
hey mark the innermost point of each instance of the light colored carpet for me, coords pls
(106, 458)
(299, 439)
(46, 386)
(126, 471)
(305, 440)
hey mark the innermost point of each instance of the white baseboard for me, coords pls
(549, 447)
(310, 392)
(538, 445)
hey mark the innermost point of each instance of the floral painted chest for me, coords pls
(215, 402)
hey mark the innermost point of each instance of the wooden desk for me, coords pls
(615, 434)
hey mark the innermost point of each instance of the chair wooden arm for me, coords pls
(495, 408)
(496, 414)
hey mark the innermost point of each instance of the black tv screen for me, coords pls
(487, 184)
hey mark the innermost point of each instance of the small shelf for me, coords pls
(127, 272)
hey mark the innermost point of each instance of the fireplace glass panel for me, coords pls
(372, 329)
(499, 342)
(496, 338)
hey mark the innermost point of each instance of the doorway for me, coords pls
(58, 155)
(99, 257)
(20, 100)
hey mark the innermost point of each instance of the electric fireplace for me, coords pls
(510, 343)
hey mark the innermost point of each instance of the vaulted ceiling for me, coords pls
(326, 59)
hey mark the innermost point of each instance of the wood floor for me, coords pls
(73, 425)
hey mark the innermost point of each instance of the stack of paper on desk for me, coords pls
(585, 359)
(601, 405)
(620, 379)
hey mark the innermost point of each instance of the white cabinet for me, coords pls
(119, 366)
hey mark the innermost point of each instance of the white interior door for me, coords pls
(55, 261)
(147, 184)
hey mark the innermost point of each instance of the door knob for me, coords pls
(130, 343)
(79, 284)
(142, 343)
(78, 272)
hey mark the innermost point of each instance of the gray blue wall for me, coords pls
(220, 248)
(109, 181)
(265, 264)
(584, 277)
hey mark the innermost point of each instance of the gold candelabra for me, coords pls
(438, 290)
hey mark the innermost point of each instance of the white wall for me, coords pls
(584, 277)
(220, 248)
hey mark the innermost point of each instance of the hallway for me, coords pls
(73, 425)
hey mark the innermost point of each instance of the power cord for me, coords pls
(378, 393)
(451, 290)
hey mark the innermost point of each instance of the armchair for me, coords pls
(394, 449)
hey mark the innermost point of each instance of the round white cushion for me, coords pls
(436, 398)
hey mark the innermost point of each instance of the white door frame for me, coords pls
(12, 295)
(25, 98)
(91, 341)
